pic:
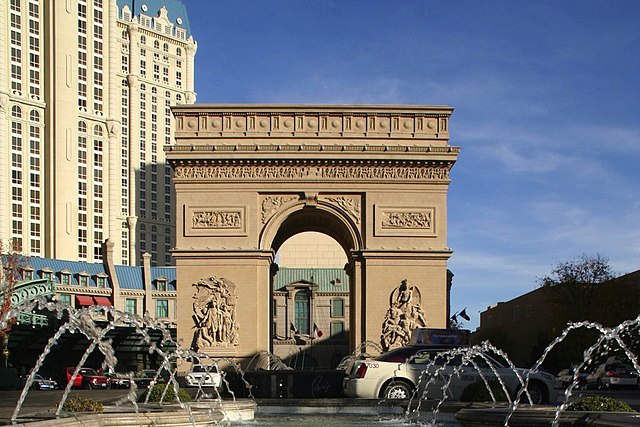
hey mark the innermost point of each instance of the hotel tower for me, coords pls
(86, 88)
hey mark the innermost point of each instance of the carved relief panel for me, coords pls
(215, 221)
(214, 313)
(405, 221)
(404, 314)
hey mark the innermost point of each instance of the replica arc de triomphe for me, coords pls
(248, 177)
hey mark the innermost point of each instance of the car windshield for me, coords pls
(441, 358)
(88, 371)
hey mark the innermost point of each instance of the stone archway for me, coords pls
(375, 178)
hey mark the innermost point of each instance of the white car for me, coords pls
(426, 370)
(204, 376)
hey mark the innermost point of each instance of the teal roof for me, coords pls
(327, 279)
(129, 277)
(176, 10)
(58, 265)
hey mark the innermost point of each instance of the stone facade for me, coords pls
(374, 178)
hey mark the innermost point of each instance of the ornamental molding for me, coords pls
(83, 290)
(413, 122)
(132, 293)
(312, 171)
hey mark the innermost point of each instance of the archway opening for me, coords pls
(310, 290)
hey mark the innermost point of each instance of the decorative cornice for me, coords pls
(302, 121)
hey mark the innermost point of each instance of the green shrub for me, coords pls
(82, 404)
(478, 392)
(600, 404)
(155, 394)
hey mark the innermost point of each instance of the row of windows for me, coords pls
(130, 305)
(65, 278)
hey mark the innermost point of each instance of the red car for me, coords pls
(86, 378)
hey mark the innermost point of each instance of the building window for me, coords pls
(47, 275)
(337, 307)
(337, 328)
(161, 285)
(64, 299)
(302, 303)
(65, 278)
(274, 308)
(516, 312)
(528, 310)
(83, 280)
(101, 281)
(130, 306)
(27, 275)
(162, 308)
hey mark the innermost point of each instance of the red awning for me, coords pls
(84, 300)
(103, 301)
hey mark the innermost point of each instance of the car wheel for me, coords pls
(538, 393)
(397, 390)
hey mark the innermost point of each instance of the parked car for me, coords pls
(39, 383)
(146, 377)
(117, 380)
(204, 376)
(86, 378)
(566, 378)
(397, 375)
(609, 375)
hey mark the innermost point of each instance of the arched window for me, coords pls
(34, 116)
(82, 127)
(156, 44)
(143, 40)
(302, 303)
(97, 130)
(165, 47)
(179, 52)
(16, 112)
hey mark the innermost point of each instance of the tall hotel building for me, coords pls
(85, 93)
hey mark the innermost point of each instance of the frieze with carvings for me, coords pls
(271, 204)
(405, 221)
(215, 221)
(214, 313)
(313, 172)
(350, 204)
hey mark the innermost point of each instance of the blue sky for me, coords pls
(547, 112)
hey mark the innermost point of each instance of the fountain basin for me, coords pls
(193, 414)
(543, 416)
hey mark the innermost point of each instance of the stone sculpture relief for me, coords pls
(214, 313)
(216, 219)
(271, 204)
(407, 220)
(404, 315)
(351, 205)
